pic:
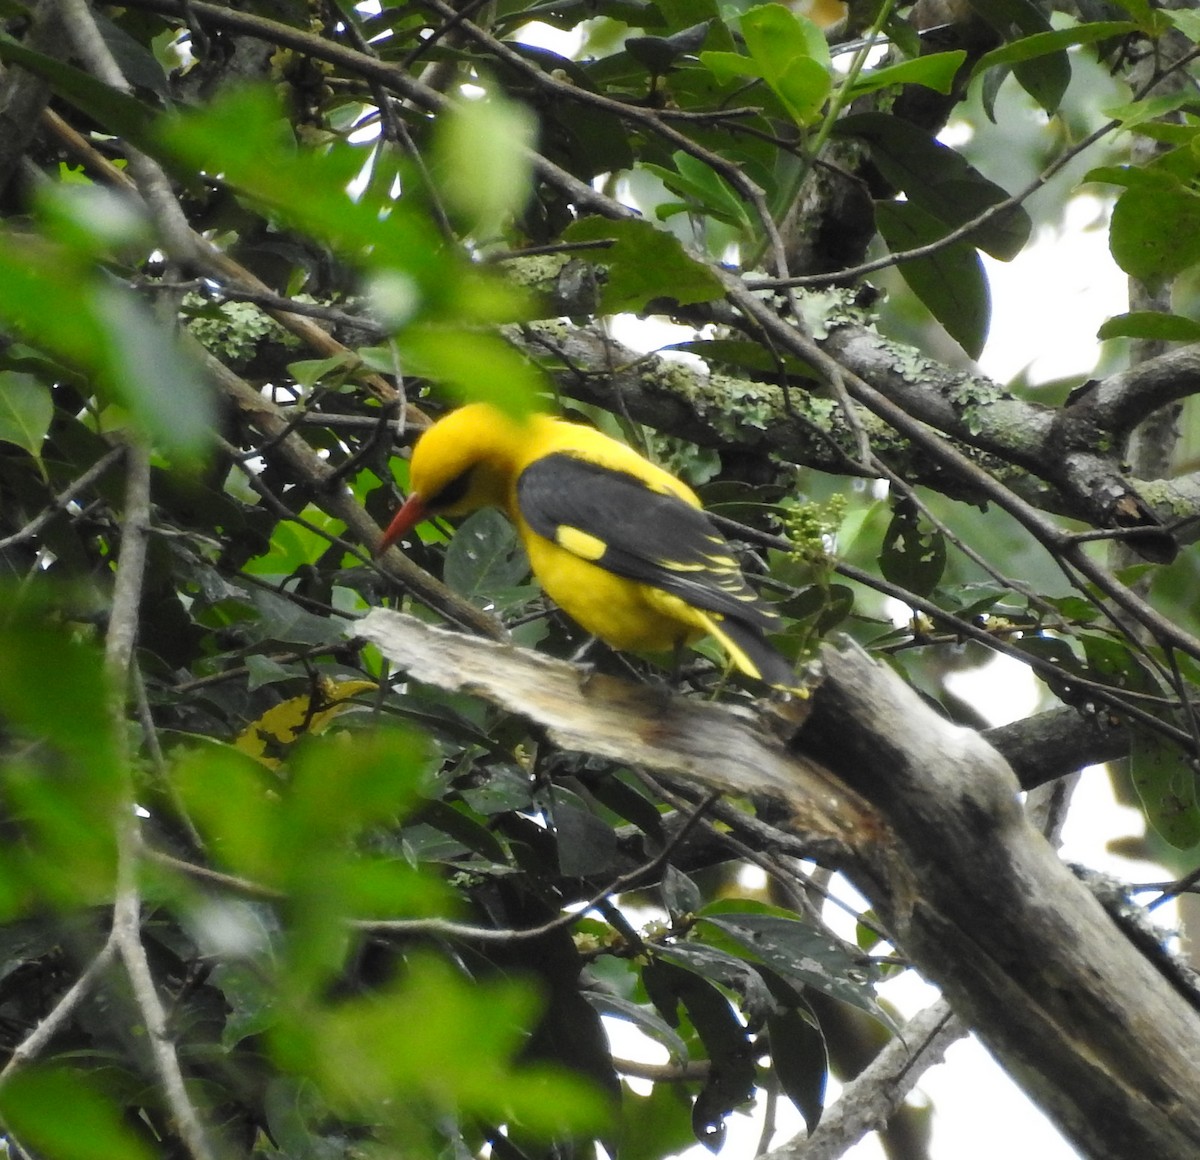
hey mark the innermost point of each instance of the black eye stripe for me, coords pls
(451, 493)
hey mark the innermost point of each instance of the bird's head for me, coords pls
(465, 461)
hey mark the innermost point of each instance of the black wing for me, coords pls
(647, 536)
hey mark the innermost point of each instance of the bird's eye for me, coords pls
(449, 495)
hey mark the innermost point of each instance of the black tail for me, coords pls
(771, 667)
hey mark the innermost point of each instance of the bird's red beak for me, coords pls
(411, 513)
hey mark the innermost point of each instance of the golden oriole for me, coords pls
(620, 545)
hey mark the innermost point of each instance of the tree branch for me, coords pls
(879, 1090)
(923, 816)
(126, 928)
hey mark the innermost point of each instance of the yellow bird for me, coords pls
(620, 545)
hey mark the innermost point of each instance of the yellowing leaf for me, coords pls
(267, 738)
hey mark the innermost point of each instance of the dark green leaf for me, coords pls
(802, 954)
(1043, 43)
(1166, 785)
(628, 802)
(1044, 78)
(912, 556)
(741, 979)
(453, 819)
(1151, 324)
(938, 180)
(951, 282)
(485, 555)
(659, 53)
(799, 1056)
(644, 1018)
(731, 1079)
(587, 845)
(116, 111)
(680, 894)
(743, 355)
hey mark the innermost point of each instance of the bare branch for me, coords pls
(877, 1093)
(126, 929)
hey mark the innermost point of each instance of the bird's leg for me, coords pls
(587, 669)
(675, 680)
(580, 654)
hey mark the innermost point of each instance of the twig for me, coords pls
(233, 882)
(64, 497)
(873, 1097)
(694, 1069)
(486, 934)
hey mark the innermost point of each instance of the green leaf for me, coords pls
(26, 409)
(62, 1114)
(246, 138)
(1155, 232)
(1186, 20)
(700, 185)
(911, 556)
(476, 366)
(153, 376)
(644, 263)
(801, 954)
(727, 66)
(1166, 785)
(53, 686)
(1042, 43)
(1044, 78)
(1149, 18)
(939, 181)
(775, 36)
(489, 137)
(69, 309)
(229, 796)
(440, 1040)
(1136, 113)
(794, 58)
(935, 71)
(951, 282)
(800, 1060)
(743, 355)
(484, 555)
(1151, 324)
(655, 1125)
